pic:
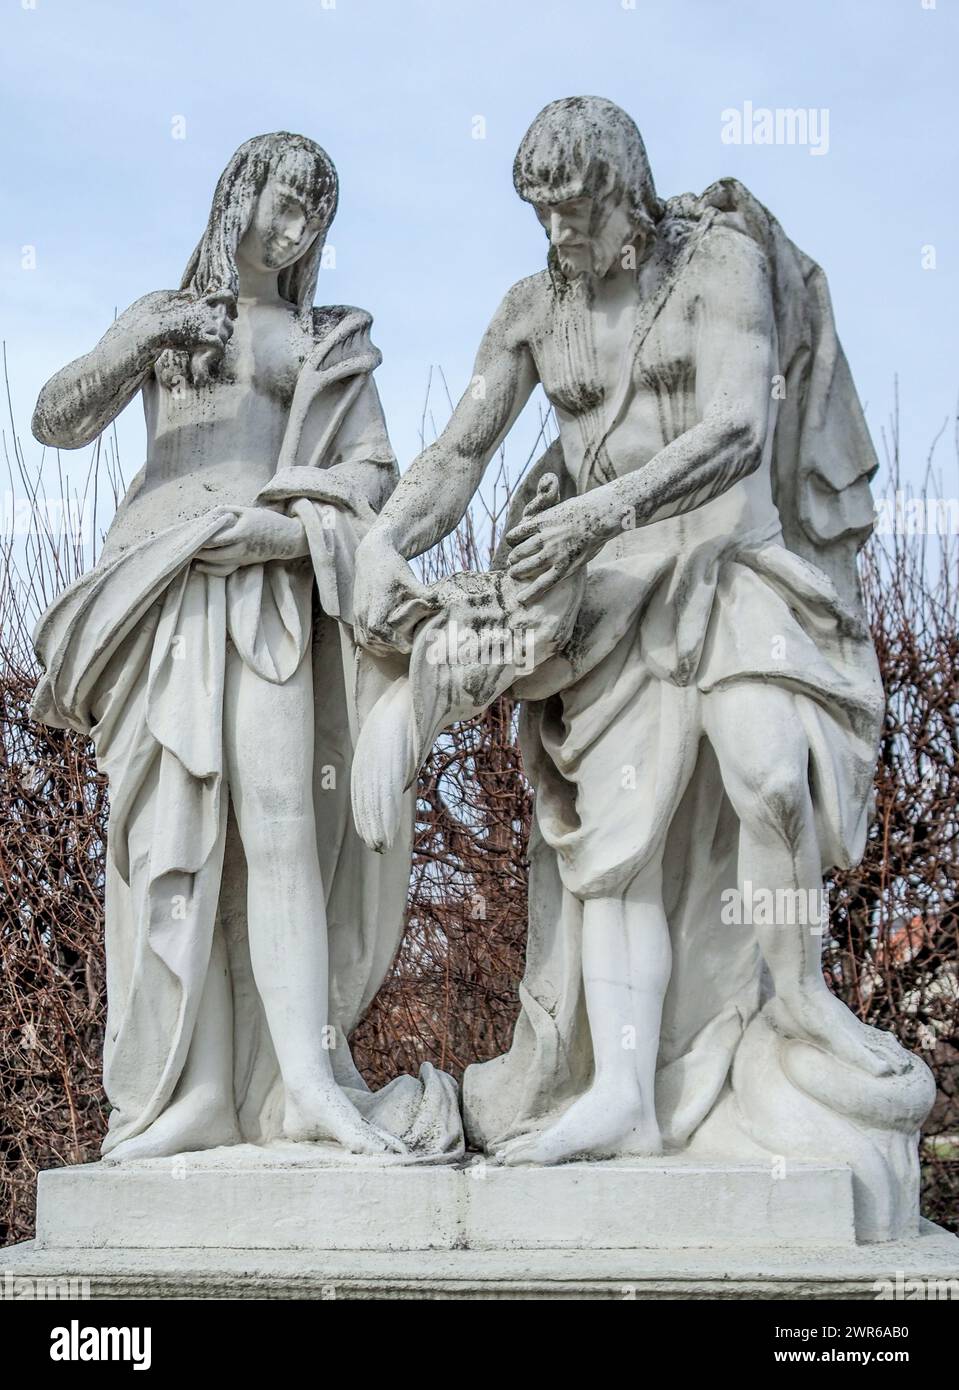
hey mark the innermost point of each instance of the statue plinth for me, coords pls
(244, 1222)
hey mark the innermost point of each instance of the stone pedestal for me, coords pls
(290, 1222)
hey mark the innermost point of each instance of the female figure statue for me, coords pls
(209, 656)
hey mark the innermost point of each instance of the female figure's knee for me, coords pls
(645, 890)
(269, 793)
(273, 843)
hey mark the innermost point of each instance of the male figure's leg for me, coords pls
(627, 958)
(626, 965)
(763, 756)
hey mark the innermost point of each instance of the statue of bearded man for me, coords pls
(702, 738)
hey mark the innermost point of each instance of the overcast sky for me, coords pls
(430, 233)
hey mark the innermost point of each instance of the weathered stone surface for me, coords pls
(685, 1108)
(318, 1224)
(682, 616)
(219, 1202)
(926, 1265)
(247, 926)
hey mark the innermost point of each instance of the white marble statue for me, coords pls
(680, 612)
(209, 655)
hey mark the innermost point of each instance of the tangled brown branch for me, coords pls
(451, 996)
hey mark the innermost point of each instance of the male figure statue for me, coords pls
(717, 699)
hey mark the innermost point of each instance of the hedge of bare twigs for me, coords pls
(451, 998)
(893, 949)
(891, 953)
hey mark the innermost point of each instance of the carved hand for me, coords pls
(550, 544)
(388, 600)
(256, 536)
(188, 322)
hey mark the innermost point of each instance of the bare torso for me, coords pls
(219, 445)
(581, 344)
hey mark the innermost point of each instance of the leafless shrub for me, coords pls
(451, 996)
(53, 811)
(893, 950)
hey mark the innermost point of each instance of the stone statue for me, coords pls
(678, 607)
(209, 656)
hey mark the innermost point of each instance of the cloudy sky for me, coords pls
(102, 202)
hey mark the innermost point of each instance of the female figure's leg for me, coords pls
(268, 749)
(201, 1113)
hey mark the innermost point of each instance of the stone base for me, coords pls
(821, 1273)
(293, 1223)
(295, 1199)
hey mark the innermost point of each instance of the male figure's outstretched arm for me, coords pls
(433, 495)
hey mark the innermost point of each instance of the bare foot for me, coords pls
(823, 1019)
(195, 1121)
(323, 1112)
(603, 1123)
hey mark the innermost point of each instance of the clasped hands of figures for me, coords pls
(552, 540)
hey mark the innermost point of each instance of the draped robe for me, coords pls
(757, 584)
(133, 655)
